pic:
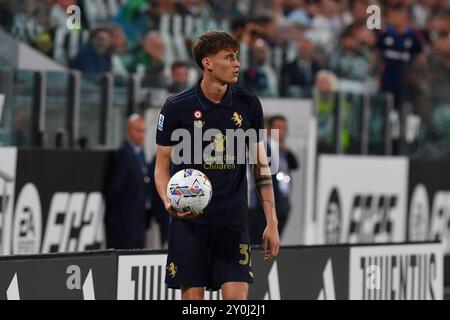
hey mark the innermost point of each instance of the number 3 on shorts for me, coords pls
(244, 250)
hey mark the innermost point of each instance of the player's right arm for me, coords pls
(162, 177)
(168, 122)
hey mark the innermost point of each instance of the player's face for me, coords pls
(224, 66)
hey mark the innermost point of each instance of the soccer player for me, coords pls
(212, 249)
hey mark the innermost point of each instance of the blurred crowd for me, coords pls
(285, 44)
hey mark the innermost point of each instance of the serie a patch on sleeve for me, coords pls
(161, 122)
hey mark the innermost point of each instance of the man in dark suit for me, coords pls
(158, 211)
(299, 74)
(282, 180)
(286, 162)
(127, 191)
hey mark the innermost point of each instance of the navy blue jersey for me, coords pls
(191, 110)
(398, 51)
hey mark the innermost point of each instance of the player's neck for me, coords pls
(213, 90)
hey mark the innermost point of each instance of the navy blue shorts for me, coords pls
(207, 256)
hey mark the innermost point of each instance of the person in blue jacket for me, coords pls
(127, 191)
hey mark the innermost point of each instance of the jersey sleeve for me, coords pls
(167, 123)
(257, 122)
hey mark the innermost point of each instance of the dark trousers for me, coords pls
(117, 239)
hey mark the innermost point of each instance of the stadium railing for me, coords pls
(57, 109)
(71, 109)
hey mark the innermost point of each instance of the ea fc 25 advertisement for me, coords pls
(87, 276)
(58, 202)
(429, 202)
(361, 199)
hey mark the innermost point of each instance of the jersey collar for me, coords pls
(208, 104)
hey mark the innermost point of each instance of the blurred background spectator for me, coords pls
(119, 48)
(399, 45)
(95, 56)
(6, 15)
(278, 128)
(127, 193)
(149, 61)
(134, 19)
(326, 84)
(260, 77)
(297, 77)
(180, 77)
(350, 62)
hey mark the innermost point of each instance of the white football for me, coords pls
(189, 190)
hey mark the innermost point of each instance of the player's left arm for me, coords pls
(264, 188)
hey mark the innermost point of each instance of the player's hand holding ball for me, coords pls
(185, 215)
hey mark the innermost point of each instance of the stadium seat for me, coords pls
(164, 29)
(188, 26)
(113, 7)
(178, 39)
(59, 52)
(74, 44)
(96, 12)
